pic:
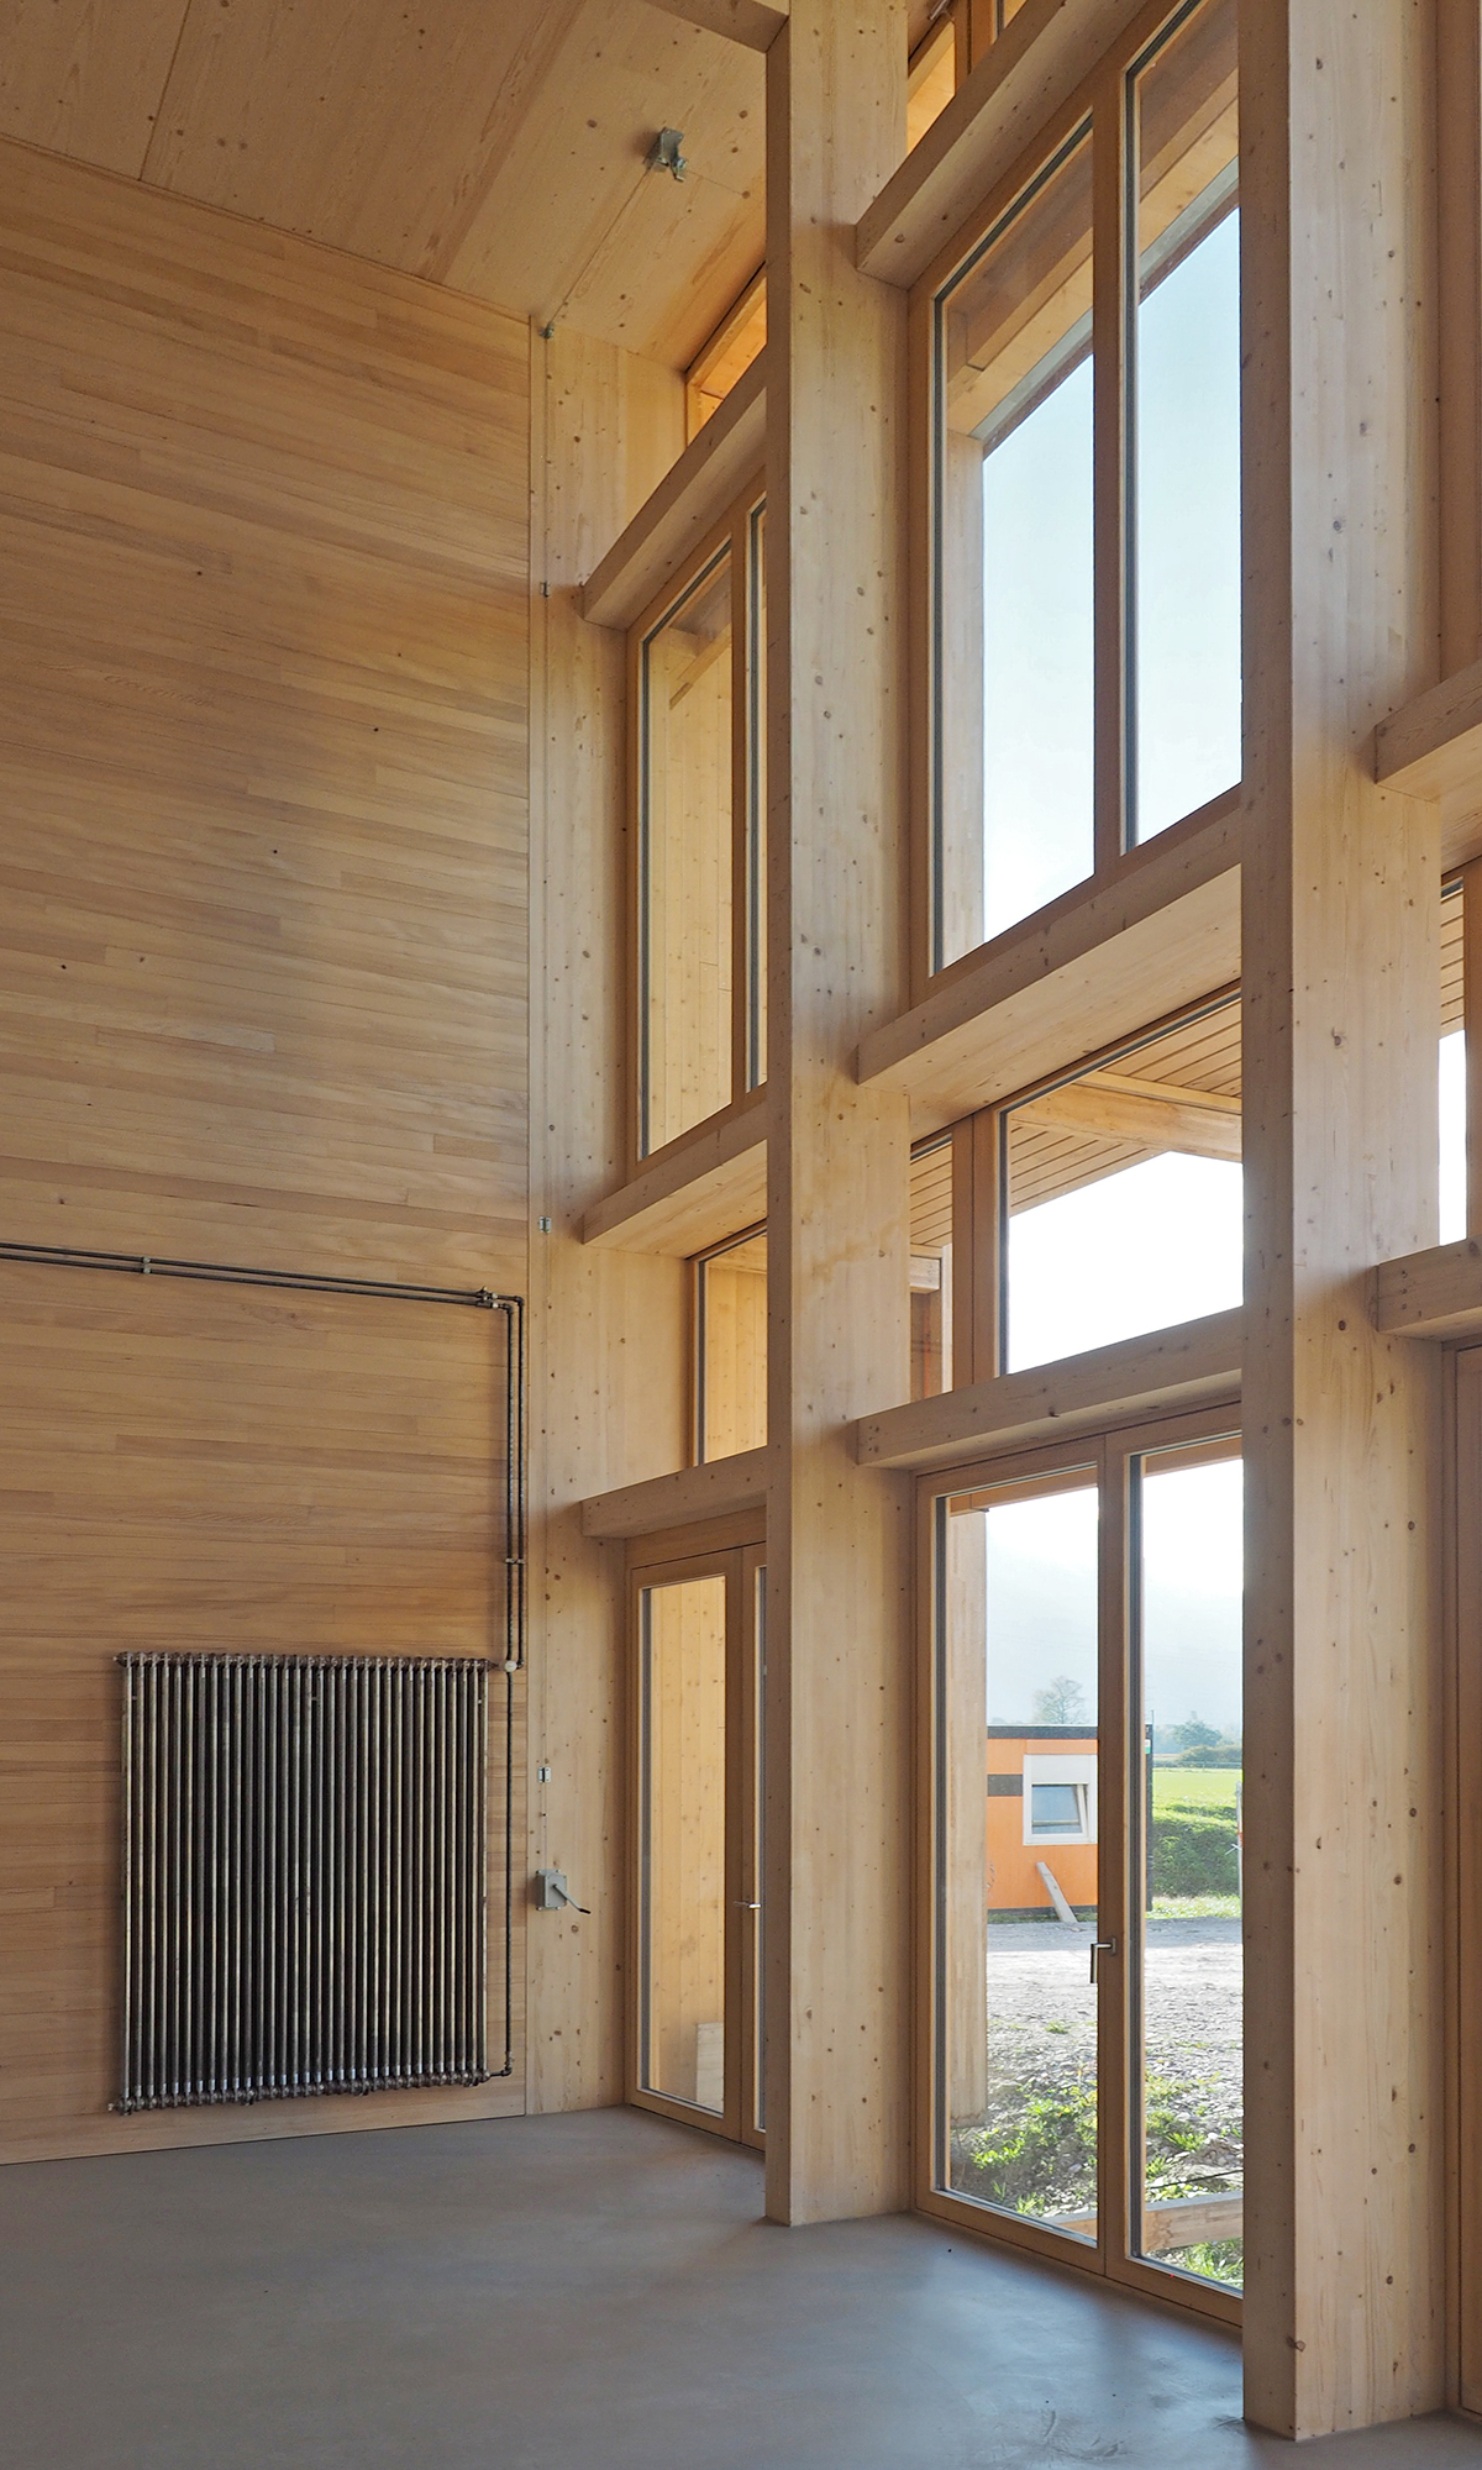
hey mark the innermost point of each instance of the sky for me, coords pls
(1042, 1597)
(1038, 593)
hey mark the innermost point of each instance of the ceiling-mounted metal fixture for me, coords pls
(664, 154)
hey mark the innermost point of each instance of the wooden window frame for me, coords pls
(1106, 1455)
(736, 532)
(734, 1550)
(698, 1264)
(1102, 106)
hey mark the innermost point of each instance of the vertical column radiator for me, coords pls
(304, 1876)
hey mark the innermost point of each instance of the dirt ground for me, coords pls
(1042, 2009)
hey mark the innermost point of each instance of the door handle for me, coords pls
(747, 1908)
(1099, 1947)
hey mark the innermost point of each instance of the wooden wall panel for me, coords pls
(263, 664)
(608, 1328)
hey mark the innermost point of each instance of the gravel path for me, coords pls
(1042, 2009)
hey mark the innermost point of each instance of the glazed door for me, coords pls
(1082, 2058)
(696, 2026)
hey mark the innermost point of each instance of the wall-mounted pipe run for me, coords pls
(387, 1290)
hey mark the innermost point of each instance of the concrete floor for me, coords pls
(544, 2294)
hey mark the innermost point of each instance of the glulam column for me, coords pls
(1343, 1886)
(838, 1252)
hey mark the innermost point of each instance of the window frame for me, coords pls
(699, 1265)
(1103, 105)
(737, 532)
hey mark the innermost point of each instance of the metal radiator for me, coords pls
(304, 1876)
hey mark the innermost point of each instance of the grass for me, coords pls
(1208, 1791)
(1196, 1908)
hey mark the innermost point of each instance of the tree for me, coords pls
(1193, 1735)
(1061, 1701)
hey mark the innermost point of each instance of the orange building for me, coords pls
(1041, 1818)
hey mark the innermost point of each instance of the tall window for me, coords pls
(1085, 496)
(1185, 565)
(698, 1027)
(1087, 1855)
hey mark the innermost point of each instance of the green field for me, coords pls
(1209, 1790)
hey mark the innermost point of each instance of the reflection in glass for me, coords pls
(931, 1269)
(1124, 1194)
(1186, 397)
(1018, 1865)
(1013, 792)
(1191, 1977)
(731, 1347)
(1453, 1079)
(682, 1645)
(685, 899)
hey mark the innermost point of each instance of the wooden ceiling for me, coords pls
(496, 146)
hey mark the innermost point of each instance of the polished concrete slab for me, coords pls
(596, 2291)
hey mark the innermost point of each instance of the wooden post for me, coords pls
(838, 1612)
(606, 1402)
(1344, 2320)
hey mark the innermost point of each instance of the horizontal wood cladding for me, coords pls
(1196, 1364)
(263, 612)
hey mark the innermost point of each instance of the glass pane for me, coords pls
(1453, 1090)
(685, 896)
(731, 1347)
(683, 1852)
(1017, 1864)
(1125, 1201)
(756, 823)
(931, 1270)
(1191, 1972)
(1186, 396)
(1013, 583)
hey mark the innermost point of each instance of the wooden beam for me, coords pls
(708, 1184)
(681, 1500)
(1344, 2322)
(756, 23)
(1032, 68)
(1432, 747)
(1160, 1116)
(691, 499)
(1433, 1294)
(838, 1700)
(1165, 932)
(1196, 1364)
